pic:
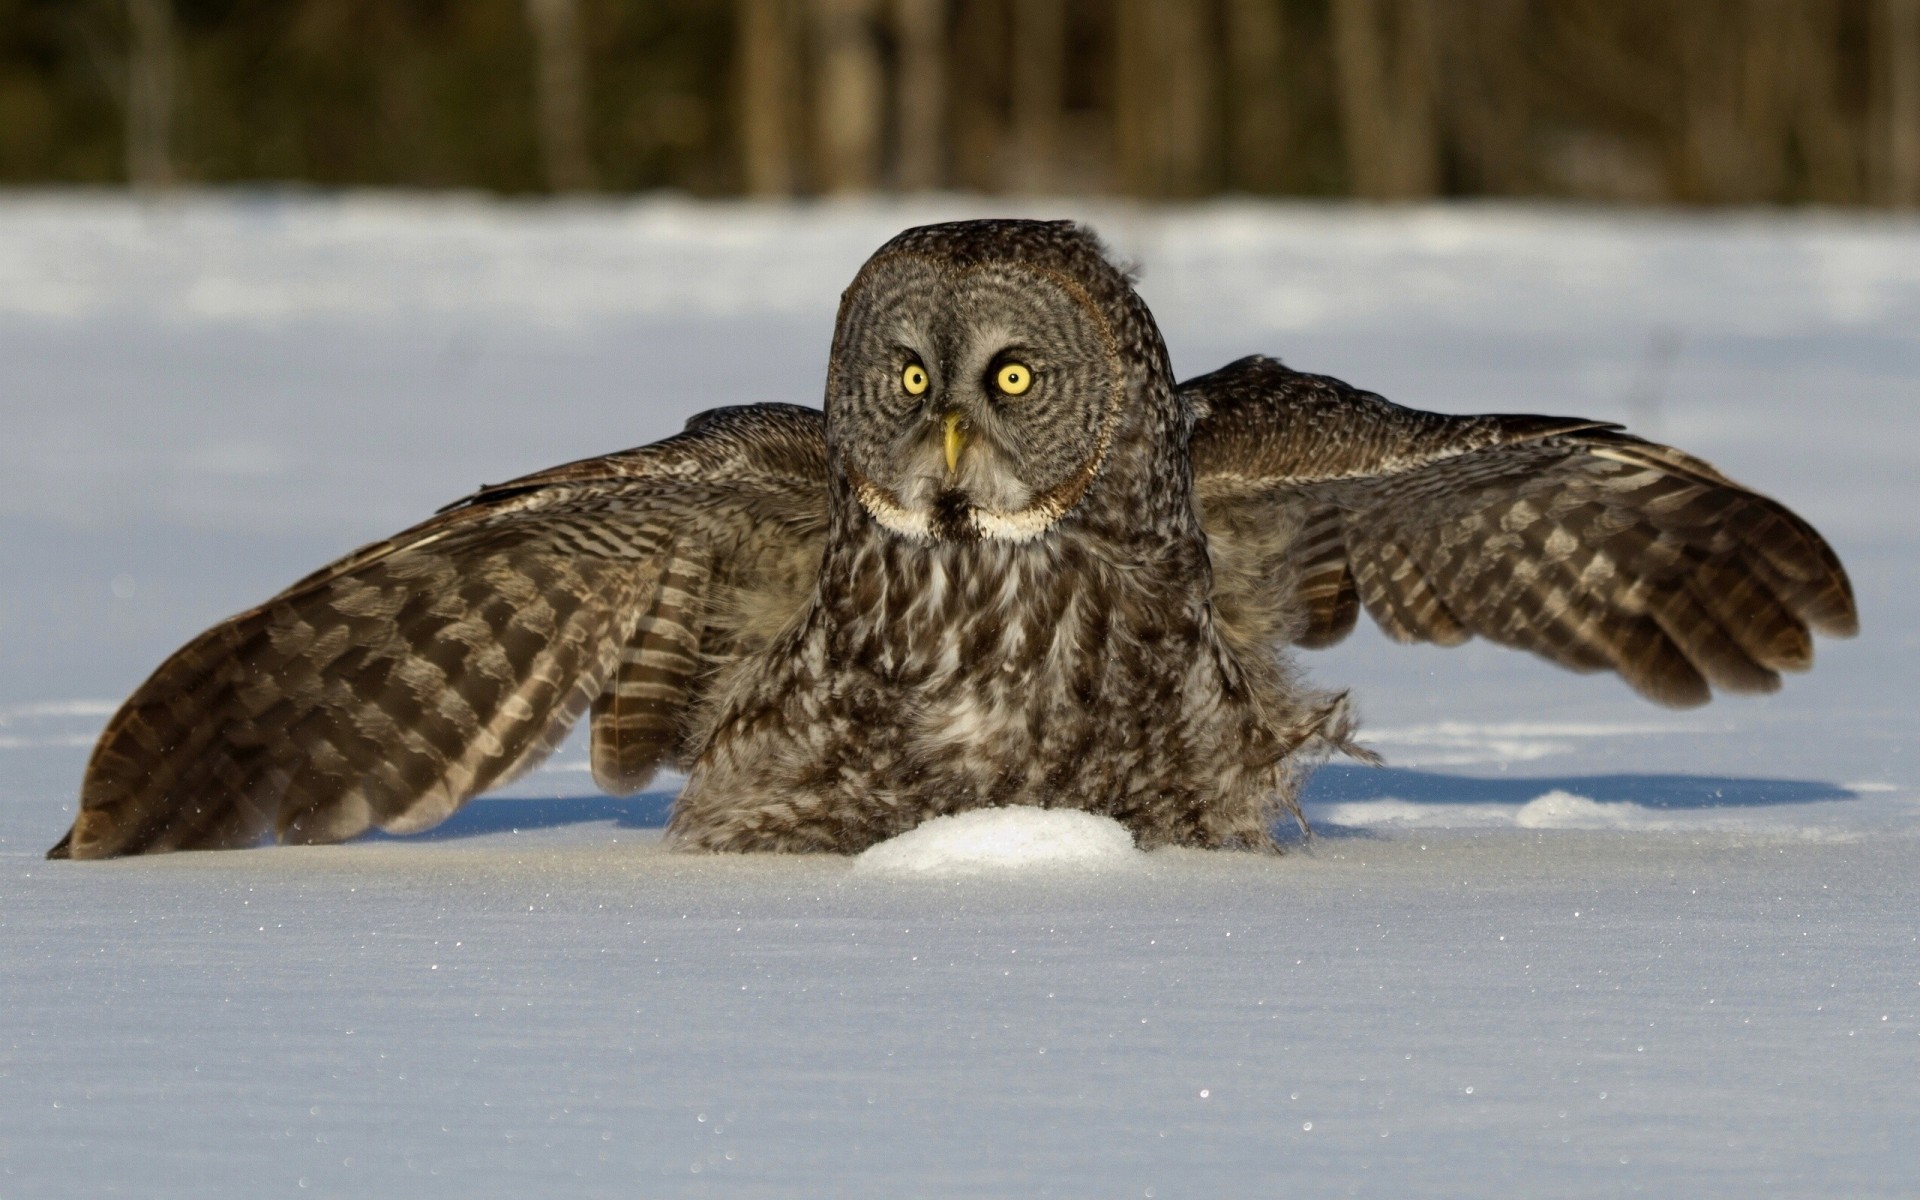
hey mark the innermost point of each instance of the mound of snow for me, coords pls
(1549, 810)
(1564, 810)
(994, 839)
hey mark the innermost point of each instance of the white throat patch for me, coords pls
(989, 524)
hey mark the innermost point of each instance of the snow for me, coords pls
(1001, 840)
(1558, 809)
(1564, 944)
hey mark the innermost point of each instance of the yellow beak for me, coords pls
(954, 442)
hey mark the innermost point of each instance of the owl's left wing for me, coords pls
(1572, 539)
(390, 687)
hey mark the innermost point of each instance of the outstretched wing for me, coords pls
(394, 685)
(1573, 539)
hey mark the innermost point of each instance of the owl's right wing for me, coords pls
(1570, 538)
(390, 687)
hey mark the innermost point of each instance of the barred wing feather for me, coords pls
(1569, 538)
(392, 686)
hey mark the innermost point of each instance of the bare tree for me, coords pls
(920, 93)
(1260, 118)
(767, 95)
(1383, 51)
(1896, 101)
(1166, 111)
(1482, 85)
(150, 93)
(1039, 61)
(1761, 102)
(561, 83)
(1831, 149)
(849, 95)
(1729, 113)
(977, 96)
(1638, 101)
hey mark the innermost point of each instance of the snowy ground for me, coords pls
(1568, 944)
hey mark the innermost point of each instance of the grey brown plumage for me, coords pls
(1573, 539)
(391, 687)
(838, 634)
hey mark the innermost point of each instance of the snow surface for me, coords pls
(1565, 944)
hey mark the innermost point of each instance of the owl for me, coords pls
(1011, 563)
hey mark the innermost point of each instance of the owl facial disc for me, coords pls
(971, 401)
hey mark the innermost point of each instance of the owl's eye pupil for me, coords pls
(914, 379)
(1013, 379)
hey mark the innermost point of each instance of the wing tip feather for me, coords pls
(1841, 623)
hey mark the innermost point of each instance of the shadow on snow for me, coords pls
(647, 810)
(1330, 785)
(1345, 784)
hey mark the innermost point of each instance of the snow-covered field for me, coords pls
(1566, 944)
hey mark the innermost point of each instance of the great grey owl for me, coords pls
(1011, 563)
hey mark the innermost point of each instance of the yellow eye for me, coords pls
(1013, 379)
(914, 379)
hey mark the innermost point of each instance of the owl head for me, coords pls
(988, 378)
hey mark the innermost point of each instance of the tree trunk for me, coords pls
(1761, 103)
(1830, 147)
(1165, 109)
(150, 94)
(1261, 127)
(1728, 118)
(1480, 94)
(920, 94)
(979, 68)
(560, 78)
(1039, 60)
(1896, 56)
(767, 94)
(1386, 97)
(849, 93)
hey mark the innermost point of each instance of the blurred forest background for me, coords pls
(1650, 101)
